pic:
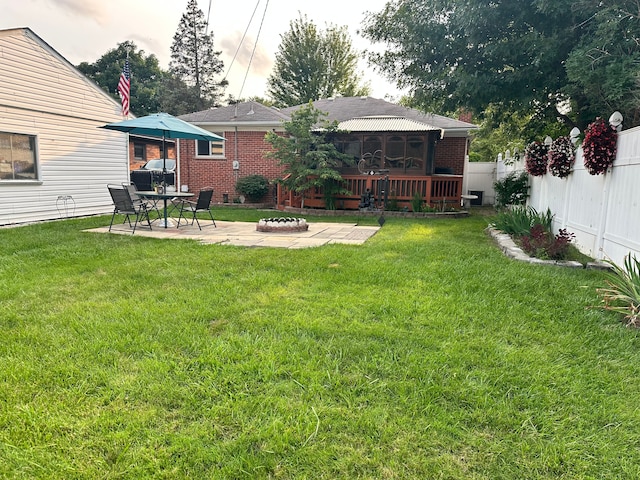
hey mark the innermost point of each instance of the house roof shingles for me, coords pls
(242, 113)
(346, 108)
(340, 109)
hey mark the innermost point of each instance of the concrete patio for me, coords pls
(245, 234)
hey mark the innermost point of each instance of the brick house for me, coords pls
(399, 149)
(143, 149)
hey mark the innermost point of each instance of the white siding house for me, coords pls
(54, 160)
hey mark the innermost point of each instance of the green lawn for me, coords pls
(422, 354)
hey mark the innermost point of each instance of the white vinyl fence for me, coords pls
(603, 211)
(479, 179)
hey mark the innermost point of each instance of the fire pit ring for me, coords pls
(282, 225)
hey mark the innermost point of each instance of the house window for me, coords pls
(17, 157)
(210, 149)
(139, 151)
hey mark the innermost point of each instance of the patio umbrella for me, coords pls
(165, 126)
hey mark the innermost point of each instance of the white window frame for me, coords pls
(215, 149)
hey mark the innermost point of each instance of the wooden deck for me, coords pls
(437, 191)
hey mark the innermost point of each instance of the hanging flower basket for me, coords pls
(536, 158)
(599, 147)
(561, 157)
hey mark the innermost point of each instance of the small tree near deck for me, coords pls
(310, 158)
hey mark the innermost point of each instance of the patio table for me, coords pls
(164, 197)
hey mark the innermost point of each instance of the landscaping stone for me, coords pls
(509, 248)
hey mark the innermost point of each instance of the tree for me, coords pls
(312, 64)
(473, 53)
(604, 67)
(176, 97)
(146, 76)
(310, 158)
(194, 61)
(505, 129)
(497, 134)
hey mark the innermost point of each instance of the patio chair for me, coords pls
(124, 205)
(174, 205)
(137, 200)
(202, 205)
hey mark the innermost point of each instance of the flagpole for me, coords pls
(124, 87)
(128, 65)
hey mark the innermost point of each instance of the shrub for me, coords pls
(254, 187)
(541, 243)
(533, 231)
(512, 189)
(622, 294)
(416, 202)
(392, 204)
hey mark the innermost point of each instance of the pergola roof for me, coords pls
(385, 123)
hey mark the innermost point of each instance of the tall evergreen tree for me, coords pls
(194, 60)
(312, 64)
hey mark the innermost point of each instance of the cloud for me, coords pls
(93, 9)
(150, 45)
(261, 64)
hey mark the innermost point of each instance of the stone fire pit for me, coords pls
(282, 225)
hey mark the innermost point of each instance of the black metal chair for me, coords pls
(174, 205)
(137, 200)
(124, 205)
(202, 205)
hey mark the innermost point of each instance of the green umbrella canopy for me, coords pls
(163, 125)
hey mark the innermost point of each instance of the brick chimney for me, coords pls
(465, 116)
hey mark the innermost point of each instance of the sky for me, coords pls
(84, 30)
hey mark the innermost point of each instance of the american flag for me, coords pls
(124, 88)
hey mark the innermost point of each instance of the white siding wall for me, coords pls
(42, 95)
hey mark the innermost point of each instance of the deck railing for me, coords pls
(438, 191)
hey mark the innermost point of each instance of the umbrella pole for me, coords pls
(164, 177)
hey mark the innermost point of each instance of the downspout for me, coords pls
(235, 143)
(235, 154)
